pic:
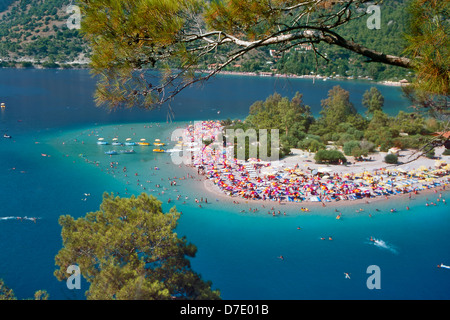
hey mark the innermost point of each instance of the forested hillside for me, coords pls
(35, 32)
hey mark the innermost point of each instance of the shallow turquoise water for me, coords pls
(237, 251)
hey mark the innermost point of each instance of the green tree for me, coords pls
(8, 294)
(129, 250)
(391, 158)
(336, 108)
(350, 146)
(329, 156)
(428, 43)
(5, 292)
(277, 112)
(373, 100)
(410, 123)
(430, 153)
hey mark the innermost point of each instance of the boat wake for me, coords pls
(19, 218)
(383, 245)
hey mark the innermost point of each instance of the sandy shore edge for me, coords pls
(212, 191)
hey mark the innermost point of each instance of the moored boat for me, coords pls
(101, 141)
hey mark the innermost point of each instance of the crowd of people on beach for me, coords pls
(258, 180)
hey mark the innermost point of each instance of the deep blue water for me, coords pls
(237, 252)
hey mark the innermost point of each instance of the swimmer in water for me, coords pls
(347, 275)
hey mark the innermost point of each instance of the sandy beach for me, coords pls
(214, 192)
(408, 160)
(298, 180)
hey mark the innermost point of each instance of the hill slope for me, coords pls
(36, 31)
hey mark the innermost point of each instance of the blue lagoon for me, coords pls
(52, 166)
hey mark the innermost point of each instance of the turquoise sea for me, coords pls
(53, 166)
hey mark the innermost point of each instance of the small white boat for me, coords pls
(101, 141)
